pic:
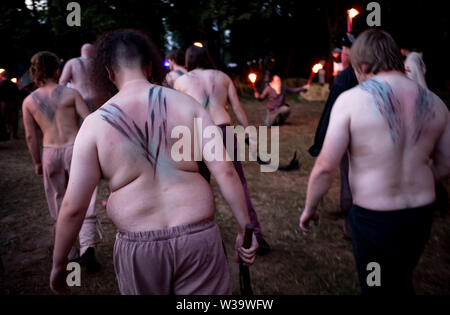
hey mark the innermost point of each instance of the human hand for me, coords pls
(38, 169)
(247, 256)
(308, 216)
(58, 283)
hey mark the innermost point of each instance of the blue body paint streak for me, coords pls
(387, 104)
(157, 116)
(422, 112)
(48, 105)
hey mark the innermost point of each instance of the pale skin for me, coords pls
(275, 84)
(78, 75)
(213, 89)
(58, 122)
(173, 75)
(141, 200)
(384, 175)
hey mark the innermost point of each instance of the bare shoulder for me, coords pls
(181, 82)
(69, 91)
(220, 75)
(28, 101)
(351, 98)
(437, 102)
(70, 62)
(92, 124)
(179, 99)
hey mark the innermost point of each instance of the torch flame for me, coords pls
(14, 80)
(198, 44)
(317, 67)
(352, 13)
(252, 77)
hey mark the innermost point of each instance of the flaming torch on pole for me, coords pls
(351, 14)
(16, 82)
(317, 67)
(252, 77)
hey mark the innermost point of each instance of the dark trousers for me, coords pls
(393, 239)
(203, 170)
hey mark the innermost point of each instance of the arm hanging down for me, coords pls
(84, 177)
(236, 105)
(231, 189)
(335, 146)
(31, 136)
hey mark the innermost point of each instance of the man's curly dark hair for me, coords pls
(120, 47)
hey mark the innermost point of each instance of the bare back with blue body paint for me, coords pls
(55, 109)
(394, 127)
(133, 136)
(210, 88)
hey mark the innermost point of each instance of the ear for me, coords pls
(110, 75)
(148, 70)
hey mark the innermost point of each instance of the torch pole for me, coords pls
(311, 77)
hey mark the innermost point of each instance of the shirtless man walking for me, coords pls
(53, 109)
(397, 137)
(78, 71)
(167, 242)
(176, 60)
(213, 89)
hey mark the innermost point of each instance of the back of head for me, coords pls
(44, 65)
(375, 51)
(177, 56)
(198, 58)
(87, 50)
(124, 49)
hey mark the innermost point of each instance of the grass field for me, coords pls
(317, 263)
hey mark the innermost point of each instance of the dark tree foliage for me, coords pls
(296, 34)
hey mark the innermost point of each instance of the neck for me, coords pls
(48, 82)
(128, 76)
(177, 67)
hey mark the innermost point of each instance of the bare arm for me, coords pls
(66, 75)
(441, 155)
(232, 190)
(84, 177)
(80, 106)
(325, 169)
(31, 136)
(296, 90)
(261, 97)
(236, 105)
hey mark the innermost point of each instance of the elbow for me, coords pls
(70, 212)
(324, 170)
(228, 175)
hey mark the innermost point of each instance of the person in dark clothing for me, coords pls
(277, 109)
(344, 81)
(9, 107)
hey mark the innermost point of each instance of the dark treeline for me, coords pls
(295, 33)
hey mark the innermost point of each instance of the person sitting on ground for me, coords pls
(277, 110)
